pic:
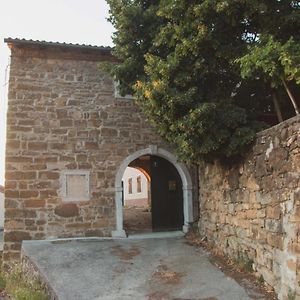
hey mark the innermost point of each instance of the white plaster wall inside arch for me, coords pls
(186, 186)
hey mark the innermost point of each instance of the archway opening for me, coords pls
(152, 196)
(136, 201)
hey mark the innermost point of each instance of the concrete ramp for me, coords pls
(150, 269)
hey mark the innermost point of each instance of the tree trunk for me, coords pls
(291, 97)
(276, 106)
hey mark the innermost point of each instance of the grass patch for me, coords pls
(244, 262)
(260, 279)
(14, 283)
(291, 295)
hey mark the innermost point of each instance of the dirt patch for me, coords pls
(159, 295)
(165, 275)
(61, 242)
(118, 270)
(137, 219)
(165, 296)
(125, 254)
(250, 282)
(210, 298)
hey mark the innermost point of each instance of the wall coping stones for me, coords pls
(56, 50)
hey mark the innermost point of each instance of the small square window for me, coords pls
(75, 185)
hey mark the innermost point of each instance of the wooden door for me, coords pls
(166, 194)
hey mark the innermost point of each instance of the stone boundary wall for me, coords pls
(251, 211)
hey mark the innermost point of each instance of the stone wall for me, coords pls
(63, 115)
(251, 211)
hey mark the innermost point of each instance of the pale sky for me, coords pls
(71, 21)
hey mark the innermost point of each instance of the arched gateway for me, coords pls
(186, 186)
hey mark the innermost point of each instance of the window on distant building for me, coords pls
(130, 186)
(139, 184)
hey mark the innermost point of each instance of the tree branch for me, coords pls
(291, 97)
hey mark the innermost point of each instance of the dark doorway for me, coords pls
(165, 198)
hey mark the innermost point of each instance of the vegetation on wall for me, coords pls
(205, 72)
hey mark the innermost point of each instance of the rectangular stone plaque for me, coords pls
(75, 185)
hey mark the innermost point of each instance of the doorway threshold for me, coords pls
(156, 235)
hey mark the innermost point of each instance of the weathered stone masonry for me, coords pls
(63, 115)
(252, 210)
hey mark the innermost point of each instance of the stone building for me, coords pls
(1, 207)
(70, 137)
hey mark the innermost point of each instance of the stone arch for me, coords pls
(186, 186)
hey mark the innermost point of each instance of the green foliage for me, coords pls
(244, 262)
(272, 60)
(291, 295)
(261, 279)
(186, 63)
(19, 287)
(2, 281)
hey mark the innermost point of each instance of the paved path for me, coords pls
(131, 269)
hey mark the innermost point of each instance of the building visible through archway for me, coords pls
(136, 184)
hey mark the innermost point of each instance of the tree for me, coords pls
(180, 58)
(275, 62)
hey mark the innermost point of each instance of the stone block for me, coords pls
(39, 236)
(18, 175)
(94, 232)
(273, 225)
(12, 145)
(275, 240)
(48, 193)
(27, 122)
(48, 175)
(292, 265)
(274, 212)
(19, 159)
(108, 132)
(16, 213)
(12, 194)
(16, 236)
(81, 157)
(29, 194)
(79, 225)
(91, 146)
(34, 203)
(10, 203)
(66, 123)
(37, 146)
(61, 146)
(67, 210)
(295, 217)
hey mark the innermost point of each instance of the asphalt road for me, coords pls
(150, 269)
